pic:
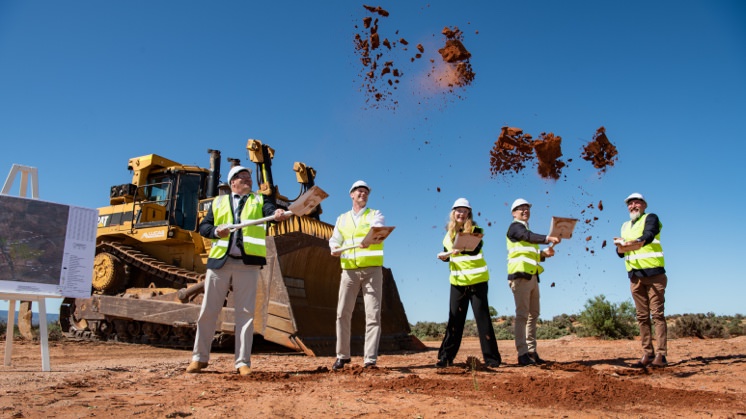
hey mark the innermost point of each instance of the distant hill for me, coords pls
(51, 317)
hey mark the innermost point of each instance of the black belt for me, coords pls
(235, 257)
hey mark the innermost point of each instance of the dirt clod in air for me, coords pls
(548, 151)
(380, 75)
(511, 151)
(458, 71)
(600, 151)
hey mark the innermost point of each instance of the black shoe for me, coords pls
(535, 357)
(492, 364)
(340, 363)
(445, 362)
(526, 360)
(370, 364)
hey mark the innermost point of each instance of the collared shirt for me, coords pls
(377, 220)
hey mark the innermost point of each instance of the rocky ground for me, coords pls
(587, 378)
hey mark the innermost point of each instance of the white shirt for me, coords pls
(377, 220)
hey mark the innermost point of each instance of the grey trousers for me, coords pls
(217, 284)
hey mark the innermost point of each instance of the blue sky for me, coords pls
(86, 85)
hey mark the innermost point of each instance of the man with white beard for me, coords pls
(641, 249)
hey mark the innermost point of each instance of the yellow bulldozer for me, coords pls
(150, 263)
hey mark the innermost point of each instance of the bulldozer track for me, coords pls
(133, 257)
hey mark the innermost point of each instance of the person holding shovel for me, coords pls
(468, 278)
(523, 277)
(235, 260)
(361, 269)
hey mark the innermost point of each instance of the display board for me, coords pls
(46, 248)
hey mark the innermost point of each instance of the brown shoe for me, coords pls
(244, 370)
(644, 362)
(660, 361)
(196, 366)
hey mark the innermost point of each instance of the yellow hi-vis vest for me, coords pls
(646, 257)
(253, 236)
(523, 257)
(466, 269)
(354, 234)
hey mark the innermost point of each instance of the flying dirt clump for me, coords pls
(458, 71)
(600, 151)
(513, 149)
(549, 150)
(379, 73)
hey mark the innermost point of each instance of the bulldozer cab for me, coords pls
(169, 199)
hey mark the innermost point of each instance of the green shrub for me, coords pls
(603, 319)
(470, 329)
(428, 330)
(699, 326)
(504, 328)
(54, 331)
(549, 330)
(736, 325)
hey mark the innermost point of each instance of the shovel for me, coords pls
(562, 228)
(302, 206)
(376, 235)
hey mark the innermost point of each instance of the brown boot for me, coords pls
(644, 362)
(196, 366)
(659, 361)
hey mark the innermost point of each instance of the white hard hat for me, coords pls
(635, 196)
(461, 202)
(359, 184)
(517, 203)
(234, 171)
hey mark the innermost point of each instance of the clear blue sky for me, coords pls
(86, 85)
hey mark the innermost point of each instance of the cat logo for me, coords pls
(103, 221)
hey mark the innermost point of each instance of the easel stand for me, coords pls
(27, 173)
(41, 300)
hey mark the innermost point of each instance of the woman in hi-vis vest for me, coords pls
(468, 279)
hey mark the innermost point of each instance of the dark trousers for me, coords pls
(459, 303)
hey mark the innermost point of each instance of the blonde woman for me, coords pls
(468, 278)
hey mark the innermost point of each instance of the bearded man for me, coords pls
(641, 249)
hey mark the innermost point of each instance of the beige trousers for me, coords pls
(649, 295)
(370, 281)
(526, 296)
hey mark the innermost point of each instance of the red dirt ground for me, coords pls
(588, 378)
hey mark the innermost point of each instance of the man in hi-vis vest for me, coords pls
(640, 246)
(523, 277)
(361, 269)
(235, 259)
